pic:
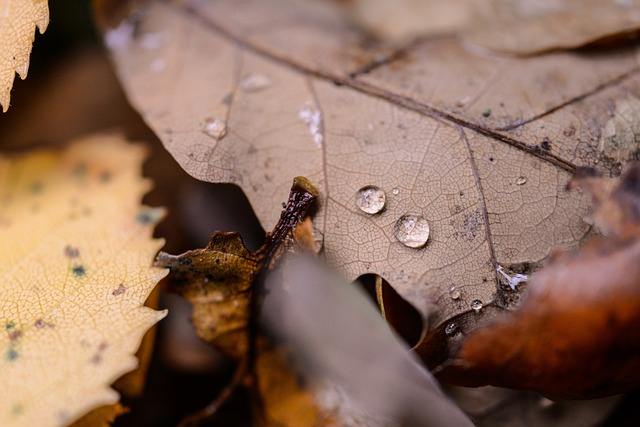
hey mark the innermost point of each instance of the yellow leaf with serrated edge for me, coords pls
(18, 19)
(76, 252)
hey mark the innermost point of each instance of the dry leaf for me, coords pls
(401, 21)
(77, 251)
(17, 31)
(575, 335)
(519, 27)
(425, 130)
(220, 282)
(479, 146)
(524, 27)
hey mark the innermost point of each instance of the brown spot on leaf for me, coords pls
(41, 324)
(78, 271)
(15, 334)
(471, 225)
(96, 359)
(119, 290)
(71, 252)
(546, 144)
(105, 176)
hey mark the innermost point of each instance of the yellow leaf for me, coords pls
(77, 251)
(18, 19)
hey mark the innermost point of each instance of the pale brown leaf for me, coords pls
(479, 145)
(426, 130)
(520, 27)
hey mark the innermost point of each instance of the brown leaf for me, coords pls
(517, 27)
(220, 282)
(575, 335)
(523, 27)
(480, 146)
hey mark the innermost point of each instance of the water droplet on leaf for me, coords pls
(412, 230)
(395, 191)
(215, 127)
(476, 305)
(370, 199)
(152, 41)
(451, 330)
(454, 292)
(521, 180)
(313, 119)
(255, 83)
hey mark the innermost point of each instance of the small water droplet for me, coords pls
(152, 41)
(462, 102)
(370, 199)
(454, 292)
(521, 180)
(158, 65)
(313, 119)
(215, 127)
(412, 230)
(395, 191)
(476, 305)
(255, 83)
(451, 330)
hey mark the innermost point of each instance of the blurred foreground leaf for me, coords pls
(77, 249)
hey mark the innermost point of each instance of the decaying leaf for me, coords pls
(220, 282)
(520, 27)
(525, 27)
(575, 335)
(364, 357)
(76, 247)
(17, 31)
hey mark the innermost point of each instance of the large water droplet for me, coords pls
(451, 330)
(454, 292)
(476, 305)
(255, 83)
(412, 230)
(215, 127)
(370, 199)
